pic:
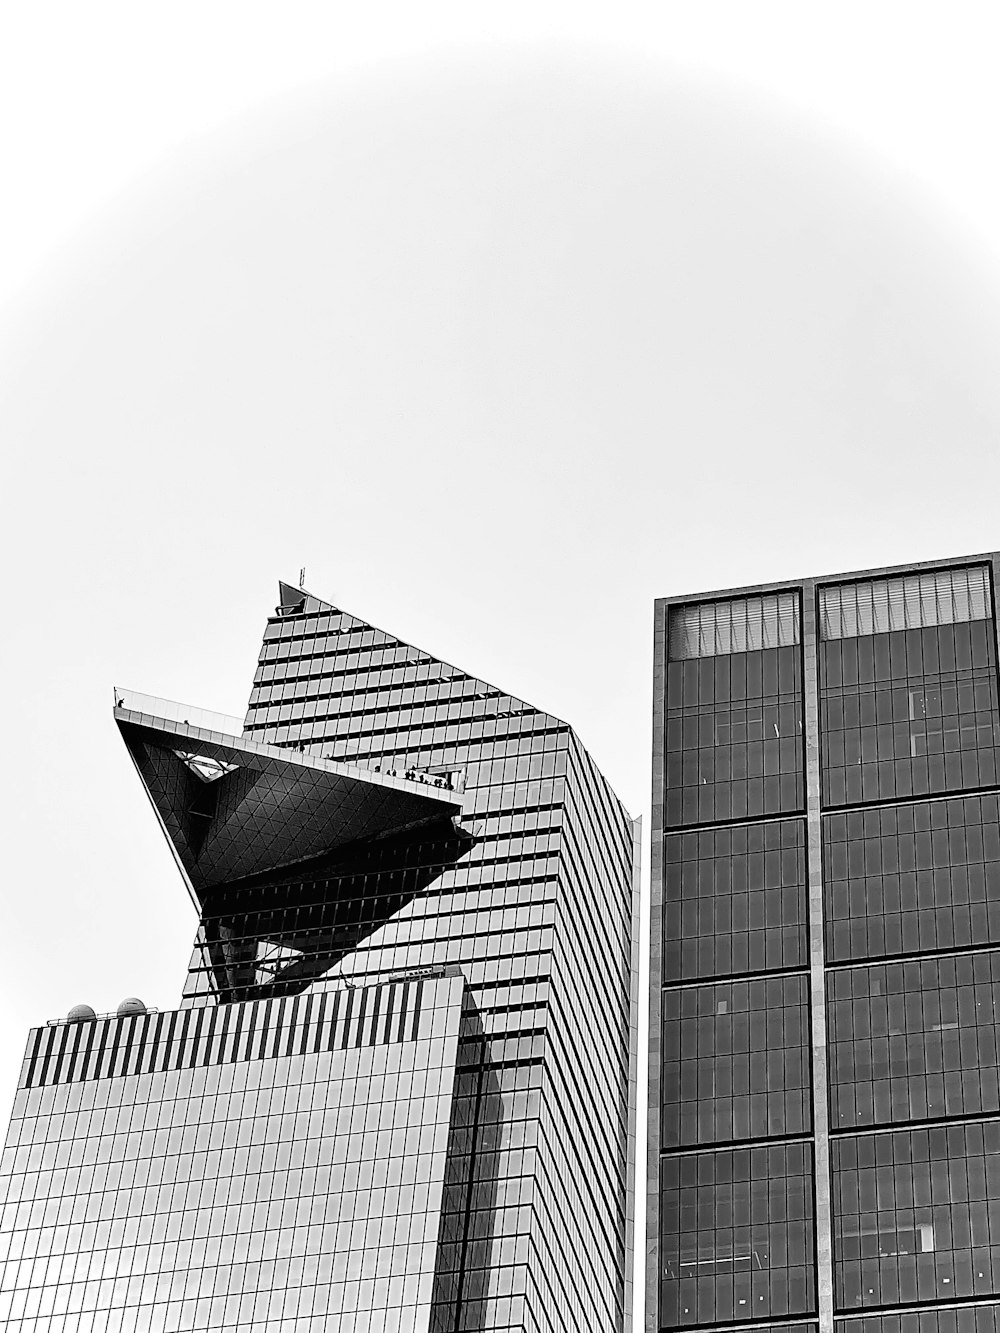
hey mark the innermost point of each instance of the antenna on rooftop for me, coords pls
(302, 577)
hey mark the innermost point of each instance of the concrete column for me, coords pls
(655, 980)
(817, 962)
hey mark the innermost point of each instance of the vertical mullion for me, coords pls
(817, 962)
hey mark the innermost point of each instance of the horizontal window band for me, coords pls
(741, 625)
(879, 1312)
(740, 819)
(734, 1145)
(915, 956)
(753, 821)
(909, 601)
(914, 1126)
(735, 978)
(921, 798)
(913, 1307)
(733, 1325)
(803, 1322)
(739, 1145)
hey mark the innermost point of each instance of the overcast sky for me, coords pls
(502, 320)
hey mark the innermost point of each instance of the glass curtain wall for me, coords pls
(908, 690)
(155, 1179)
(826, 948)
(735, 1206)
(538, 912)
(526, 883)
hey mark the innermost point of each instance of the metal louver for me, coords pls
(912, 601)
(742, 625)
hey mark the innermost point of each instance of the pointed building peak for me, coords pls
(298, 604)
(294, 601)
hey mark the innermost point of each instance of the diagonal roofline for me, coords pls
(321, 604)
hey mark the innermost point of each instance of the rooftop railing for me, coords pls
(92, 1018)
(173, 711)
(150, 706)
(453, 780)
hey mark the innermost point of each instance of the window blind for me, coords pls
(742, 625)
(912, 601)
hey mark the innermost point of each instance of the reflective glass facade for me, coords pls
(380, 823)
(177, 1184)
(737, 1235)
(825, 978)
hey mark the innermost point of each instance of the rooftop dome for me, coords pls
(80, 1013)
(131, 1006)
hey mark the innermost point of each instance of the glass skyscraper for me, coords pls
(399, 1091)
(824, 1128)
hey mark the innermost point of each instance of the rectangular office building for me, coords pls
(277, 1164)
(824, 1124)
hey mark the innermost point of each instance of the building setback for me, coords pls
(824, 1126)
(399, 1091)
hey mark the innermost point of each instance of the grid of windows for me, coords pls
(916, 1040)
(299, 1192)
(917, 1215)
(912, 878)
(735, 1062)
(735, 1224)
(733, 736)
(887, 953)
(909, 713)
(984, 1318)
(532, 897)
(800, 1326)
(736, 1235)
(734, 900)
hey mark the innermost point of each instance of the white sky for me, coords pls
(501, 319)
(92, 96)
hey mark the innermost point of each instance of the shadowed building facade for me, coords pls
(824, 1127)
(399, 1091)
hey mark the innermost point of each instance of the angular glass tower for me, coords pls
(399, 1091)
(824, 1129)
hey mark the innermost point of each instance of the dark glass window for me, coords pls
(917, 1215)
(736, 1235)
(735, 1061)
(734, 736)
(734, 900)
(912, 879)
(967, 1319)
(908, 713)
(916, 1040)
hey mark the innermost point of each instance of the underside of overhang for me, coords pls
(292, 859)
